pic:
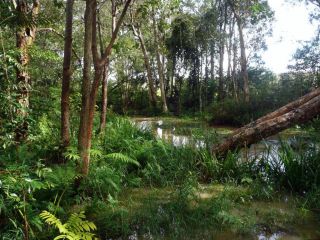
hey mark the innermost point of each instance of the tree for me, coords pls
(25, 36)
(66, 77)
(136, 28)
(105, 75)
(258, 14)
(159, 63)
(297, 112)
(89, 89)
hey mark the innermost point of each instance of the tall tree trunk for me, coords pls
(151, 89)
(89, 90)
(223, 24)
(83, 138)
(104, 98)
(66, 77)
(243, 61)
(206, 78)
(25, 36)
(104, 83)
(159, 64)
(234, 69)
(229, 71)
(212, 55)
(297, 112)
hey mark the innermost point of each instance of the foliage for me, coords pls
(76, 228)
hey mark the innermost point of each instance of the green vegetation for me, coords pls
(75, 163)
(144, 185)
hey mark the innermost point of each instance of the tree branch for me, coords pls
(108, 49)
(52, 30)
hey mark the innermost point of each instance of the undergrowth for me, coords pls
(126, 158)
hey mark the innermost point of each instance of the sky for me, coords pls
(291, 26)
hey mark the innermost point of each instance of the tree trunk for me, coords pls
(25, 36)
(104, 82)
(151, 89)
(104, 93)
(223, 24)
(212, 55)
(83, 138)
(66, 77)
(243, 61)
(297, 112)
(159, 65)
(89, 90)
(229, 50)
(234, 69)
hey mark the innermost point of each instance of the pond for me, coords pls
(183, 132)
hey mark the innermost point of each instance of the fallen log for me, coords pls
(283, 110)
(273, 123)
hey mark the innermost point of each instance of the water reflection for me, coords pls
(176, 133)
(167, 130)
(181, 133)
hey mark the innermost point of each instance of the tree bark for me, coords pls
(234, 69)
(66, 77)
(243, 61)
(83, 140)
(151, 89)
(159, 65)
(25, 36)
(104, 82)
(89, 90)
(223, 24)
(297, 112)
(229, 50)
(104, 96)
(212, 55)
(243, 56)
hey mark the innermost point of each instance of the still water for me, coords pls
(198, 134)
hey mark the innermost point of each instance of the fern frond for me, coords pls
(95, 153)
(54, 221)
(121, 158)
(76, 228)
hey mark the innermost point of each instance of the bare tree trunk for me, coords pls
(297, 112)
(223, 24)
(159, 65)
(206, 78)
(212, 53)
(151, 89)
(283, 110)
(104, 88)
(25, 36)
(89, 90)
(66, 77)
(243, 61)
(229, 50)
(83, 139)
(104, 96)
(199, 83)
(234, 69)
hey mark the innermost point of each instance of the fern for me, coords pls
(121, 158)
(76, 228)
(72, 154)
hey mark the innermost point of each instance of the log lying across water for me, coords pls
(300, 111)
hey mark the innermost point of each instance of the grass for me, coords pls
(168, 213)
(142, 185)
